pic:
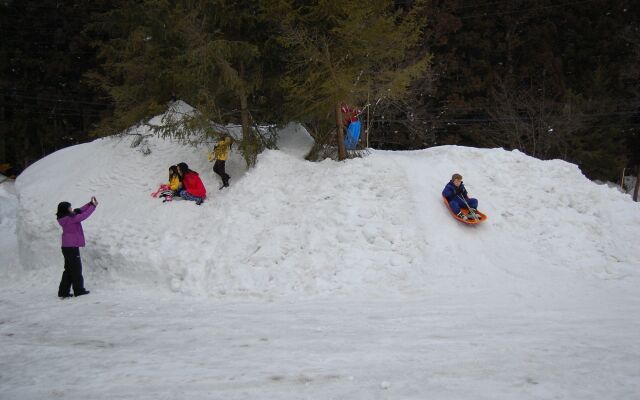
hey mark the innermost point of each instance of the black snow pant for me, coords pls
(72, 275)
(218, 168)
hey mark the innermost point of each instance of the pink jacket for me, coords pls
(72, 234)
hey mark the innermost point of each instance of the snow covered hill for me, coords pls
(8, 239)
(320, 280)
(291, 227)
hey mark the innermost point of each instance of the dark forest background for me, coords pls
(554, 79)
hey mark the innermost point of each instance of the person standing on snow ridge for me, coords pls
(455, 192)
(220, 153)
(192, 187)
(72, 240)
(349, 114)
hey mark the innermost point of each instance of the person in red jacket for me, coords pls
(192, 187)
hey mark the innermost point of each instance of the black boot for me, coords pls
(82, 293)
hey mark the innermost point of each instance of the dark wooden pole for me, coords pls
(342, 153)
(635, 192)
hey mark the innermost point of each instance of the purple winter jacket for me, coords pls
(72, 234)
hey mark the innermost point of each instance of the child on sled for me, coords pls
(458, 198)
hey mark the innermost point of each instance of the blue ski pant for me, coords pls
(188, 196)
(457, 204)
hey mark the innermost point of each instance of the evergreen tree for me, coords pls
(338, 53)
(547, 78)
(203, 51)
(552, 79)
(44, 103)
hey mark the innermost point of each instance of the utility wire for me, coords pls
(54, 99)
(522, 11)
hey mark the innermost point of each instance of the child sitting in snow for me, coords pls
(175, 183)
(167, 191)
(458, 198)
(192, 187)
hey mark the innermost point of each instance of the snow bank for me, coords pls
(8, 241)
(295, 140)
(368, 226)
(8, 204)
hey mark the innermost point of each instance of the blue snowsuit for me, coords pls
(451, 193)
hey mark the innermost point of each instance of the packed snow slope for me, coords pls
(8, 242)
(372, 225)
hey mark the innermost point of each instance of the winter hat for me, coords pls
(183, 167)
(63, 209)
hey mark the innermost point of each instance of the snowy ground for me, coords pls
(123, 345)
(321, 280)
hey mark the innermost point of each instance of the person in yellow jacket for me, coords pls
(220, 153)
(168, 190)
(174, 179)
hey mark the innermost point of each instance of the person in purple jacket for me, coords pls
(72, 240)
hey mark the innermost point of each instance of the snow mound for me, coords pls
(8, 242)
(295, 140)
(366, 226)
(8, 203)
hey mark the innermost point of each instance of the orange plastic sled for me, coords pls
(471, 220)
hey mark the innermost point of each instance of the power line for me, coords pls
(435, 110)
(526, 9)
(63, 112)
(54, 99)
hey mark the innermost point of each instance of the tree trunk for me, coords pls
(368, 120)
(342, 153)
(244, 116)
(5, 122)
(244, 109)
(3, 146)
(635, 192)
